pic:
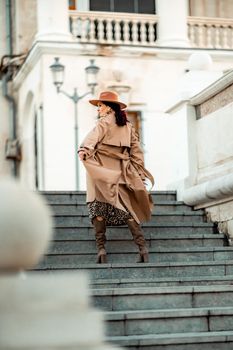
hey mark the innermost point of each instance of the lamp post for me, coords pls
(58, 71)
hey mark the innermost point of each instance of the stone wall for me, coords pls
(216, 102)
(212, 188)
(24, 25)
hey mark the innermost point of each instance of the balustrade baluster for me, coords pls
(225, 44)
(74, 26)
(117, 31)
(231, 37)
(126, 31)
(109, 31)
(92, 37)
(143, 32)
(209, 40)
(135, 32)
(200, 39)
(192, 36)
(101, 30)
(151, 33)
(83, 29)
(217, 37)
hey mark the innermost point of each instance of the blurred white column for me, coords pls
(172, 25)
(40, 311)
(53, 20)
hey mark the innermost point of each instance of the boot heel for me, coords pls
(102, 257)
(139, 239)
(143, 258)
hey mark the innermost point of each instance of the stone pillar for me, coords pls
(49, 312)
(172, 25)
(53, 20)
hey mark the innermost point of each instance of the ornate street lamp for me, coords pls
(58, 71)
(91, 74)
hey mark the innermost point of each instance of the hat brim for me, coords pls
(95, 103)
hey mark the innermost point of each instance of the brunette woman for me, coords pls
(114, 162)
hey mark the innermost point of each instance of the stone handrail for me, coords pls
(114, 28)
(206, 32)
(203, 194)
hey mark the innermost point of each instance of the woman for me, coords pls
(112, 156)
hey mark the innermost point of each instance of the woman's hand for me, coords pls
(82, 155)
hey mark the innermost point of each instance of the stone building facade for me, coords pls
(151, 63)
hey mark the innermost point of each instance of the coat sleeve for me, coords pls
(94, 136)
(136, 153)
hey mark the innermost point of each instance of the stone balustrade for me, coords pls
(114, 28)
(213, 33)
(141, 30)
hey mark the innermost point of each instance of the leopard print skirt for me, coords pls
(113, 216)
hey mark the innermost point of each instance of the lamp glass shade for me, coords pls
(57, 70)
(91, 74)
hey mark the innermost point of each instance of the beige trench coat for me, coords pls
(115, 168)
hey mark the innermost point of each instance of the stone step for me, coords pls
(166, 296)
(69, 256)
(148, 228)
(162, 298)
(160, 207)
(85, 243)
(154, 270)
(161, 282)
(177, 341)
(204, 319)
(83, 220)
(75, 197)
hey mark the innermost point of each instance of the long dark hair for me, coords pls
(121, 117)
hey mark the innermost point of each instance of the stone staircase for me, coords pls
(182, 299)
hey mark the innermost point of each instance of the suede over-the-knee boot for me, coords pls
(139, 239)
(100, 229)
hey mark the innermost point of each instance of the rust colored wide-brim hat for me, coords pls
(108, 96)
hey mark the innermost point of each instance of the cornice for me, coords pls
(85, 49)
(54, 48)
(213, 89)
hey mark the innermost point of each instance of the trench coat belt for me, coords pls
(127, 161)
